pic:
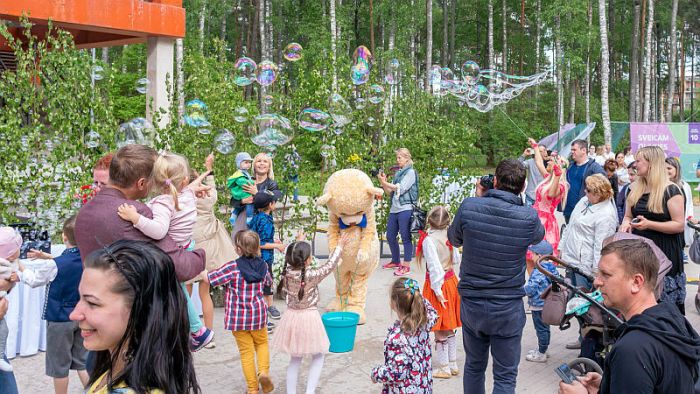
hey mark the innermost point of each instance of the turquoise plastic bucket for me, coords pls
(341, 328)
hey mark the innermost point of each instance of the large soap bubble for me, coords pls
(142, 85)
(273, 129)
(224, 142)
(266, 74)
(244, 71)
(293, 52)
(470, 72)
(435, 78)
(327, 150)
(241, 114)
(97, 72)
(392, 73)
(196, 113)
(313, 119)
(340, 110)
(376, 94)
(135, 131)
(92, 139)
(362, 59)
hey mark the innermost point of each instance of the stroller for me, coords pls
(694, 254)
(599, 323)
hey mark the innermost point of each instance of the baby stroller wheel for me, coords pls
(581, 366)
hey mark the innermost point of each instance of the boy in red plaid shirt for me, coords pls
(246, 311)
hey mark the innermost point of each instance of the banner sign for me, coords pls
(680, 140)
(566, 135)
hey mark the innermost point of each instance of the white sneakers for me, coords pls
(5, 366)
(535, 356)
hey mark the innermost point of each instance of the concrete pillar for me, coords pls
(159, 72)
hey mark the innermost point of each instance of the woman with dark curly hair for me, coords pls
(133, 314)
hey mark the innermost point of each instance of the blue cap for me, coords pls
(542, 248)
(241, 157)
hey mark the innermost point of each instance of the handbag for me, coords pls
(694, 250)
(418, 215)
(554, 310)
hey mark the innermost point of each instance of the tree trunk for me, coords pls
(681, 92)
(453, 11)
(538, 29)
(588, 63)
(263, 50)
(180, 87)
(222, 32)
(428, 42)
(105, 55)
(334, 83)
(505, 37)
(371, 26)
(558, 64)
(445, 41)
(647, 63)
(604, 72)
(572, 99)
(634, 65)
(611, 42)
(202, 17)
(672, 64)
(392, 28)
(412, 44)
(522, 31)
(490, 34)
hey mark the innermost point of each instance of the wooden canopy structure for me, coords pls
(104, 23)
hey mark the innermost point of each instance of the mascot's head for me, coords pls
(349, 194)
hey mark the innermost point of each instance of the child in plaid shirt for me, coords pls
(246, 311)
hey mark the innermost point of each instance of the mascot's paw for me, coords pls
(359, 311)
(334, 305)
(362, 256)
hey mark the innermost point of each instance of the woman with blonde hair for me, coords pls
(264, 176)
(404, 194)
(656, 210)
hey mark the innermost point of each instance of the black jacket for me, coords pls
(495, 230)
(656, 351)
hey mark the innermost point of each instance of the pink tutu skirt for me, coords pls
(300, 332)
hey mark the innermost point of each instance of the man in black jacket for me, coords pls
(657, 350)
(495, 230)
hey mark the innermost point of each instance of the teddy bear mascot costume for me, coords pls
(349, 196)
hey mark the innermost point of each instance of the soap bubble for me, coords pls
(224, 142)
(293, 52)
(97, 72)
(92, 139)
(340, 110)
(371, 122)
(204, 130)
(360, 103)
(447, 77)
(313, 119)
(273, 129)
(470, 72)
(338, 131)
(135, 131)
(327, 150)
(241, 115)
(244, 71)
(266, 73)
(392, 72)
(196, 113)
(362, 52)
(142, 85)
(360, 69)
(435, 78)
(482, 95)
(268, 100)
(376, 94)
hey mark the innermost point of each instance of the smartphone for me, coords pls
(565, 373)
(635, 220)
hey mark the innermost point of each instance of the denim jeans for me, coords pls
(498, 325)
(400, 222)
(8, 384)
(542, 331)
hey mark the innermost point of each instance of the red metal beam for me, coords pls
(127, 18)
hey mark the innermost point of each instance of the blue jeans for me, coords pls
(8, 384)
(542, 331)
(399, 222)
(498, 325)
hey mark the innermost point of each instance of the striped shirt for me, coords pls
(245, 307)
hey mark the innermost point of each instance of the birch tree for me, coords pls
(647, 62)
(588, 63)
(634, 65)
(334, 83)
(490, 53)
(429, 42)
(672, 64)
(604, 71)
(505, 37)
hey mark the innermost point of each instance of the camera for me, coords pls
(486, 181)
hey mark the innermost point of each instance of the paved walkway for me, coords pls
(218, 370)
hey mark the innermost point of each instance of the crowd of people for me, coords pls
(118, 297)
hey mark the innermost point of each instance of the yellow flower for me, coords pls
(353, 158)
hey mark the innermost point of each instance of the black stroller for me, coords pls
(599, 323)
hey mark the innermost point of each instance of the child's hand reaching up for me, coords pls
(129, 213)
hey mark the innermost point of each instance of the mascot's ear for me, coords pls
(375, 192)
(323, 200)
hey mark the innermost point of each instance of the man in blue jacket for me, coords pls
(582, 168)
(495, 231)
